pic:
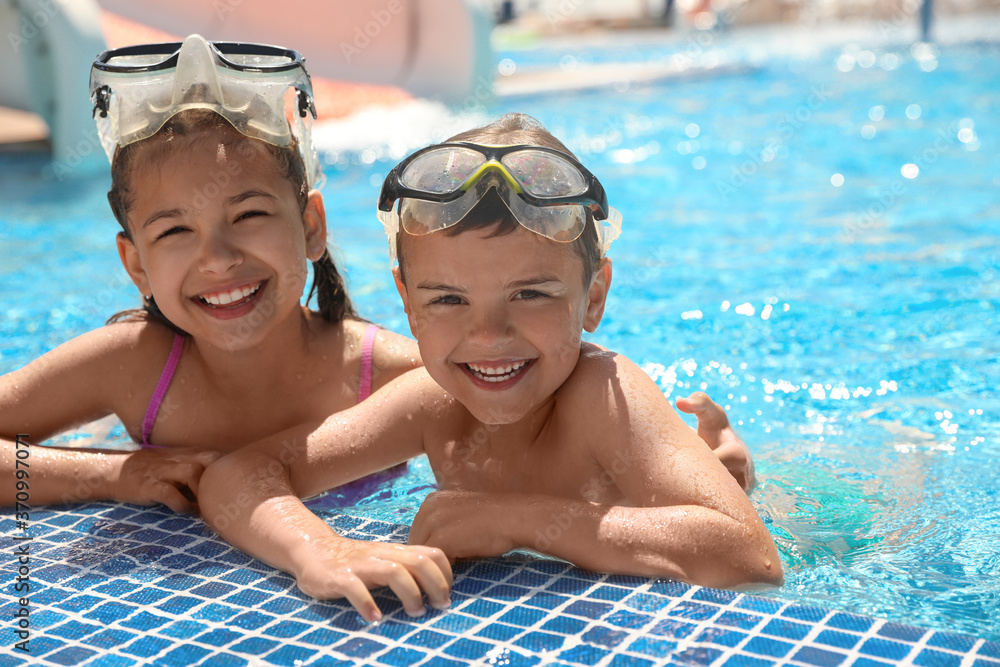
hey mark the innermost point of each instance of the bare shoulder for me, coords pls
(604, 375)
(107, 348)
(393, 356)
(87, 377)
(618, 404)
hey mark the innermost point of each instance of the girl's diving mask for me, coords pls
(263, 91)
(547, 191)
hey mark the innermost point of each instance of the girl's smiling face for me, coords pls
(218, 237)
(499, 319)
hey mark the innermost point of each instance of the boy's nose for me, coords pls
(218, 254)
(491, 327)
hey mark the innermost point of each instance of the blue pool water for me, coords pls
(776, 253)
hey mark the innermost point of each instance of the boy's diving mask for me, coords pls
(263, 91)
(547, 191)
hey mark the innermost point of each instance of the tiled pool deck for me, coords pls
(122, 585)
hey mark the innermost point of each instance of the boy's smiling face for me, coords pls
(499, 319)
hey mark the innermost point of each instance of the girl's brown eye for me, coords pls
(250, 214)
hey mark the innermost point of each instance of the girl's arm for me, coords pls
(52, 475)
(77, 382)
(683, 514)
(251, 497)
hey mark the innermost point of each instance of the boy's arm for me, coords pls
(79, 381)
(688, 518)
(251, 497)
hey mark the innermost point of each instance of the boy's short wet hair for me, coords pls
(331, 292)
(492, 213)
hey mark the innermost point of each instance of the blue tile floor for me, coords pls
(122, 585)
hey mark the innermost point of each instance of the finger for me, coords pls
(710, 414)
(358, 595)
(432, 572)
(695, 403)
(194, 479)
(171, 497)
(186, 474)
(443, 563)
(208, 457)
(398, 578)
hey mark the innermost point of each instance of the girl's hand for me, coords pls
(463, 524)
(168, 476)
(714, 428)
(344, 568)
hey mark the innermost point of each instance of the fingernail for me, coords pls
(442, 604)
(415, 614)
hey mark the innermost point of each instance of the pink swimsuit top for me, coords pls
(364, 388)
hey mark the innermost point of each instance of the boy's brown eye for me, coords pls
(170, 232)
(447, 300)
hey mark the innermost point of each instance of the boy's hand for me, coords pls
(714, 428)
(463, 524)
(347, 568)
(167, 476)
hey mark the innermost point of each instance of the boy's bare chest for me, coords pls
(562, 468)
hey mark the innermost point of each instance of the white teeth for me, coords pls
(225, 298)
(497, 373)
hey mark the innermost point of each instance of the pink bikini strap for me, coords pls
(161, 389)
(367, 353)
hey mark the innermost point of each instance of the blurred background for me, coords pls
(445, 50)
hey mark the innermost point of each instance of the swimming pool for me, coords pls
(813, 244)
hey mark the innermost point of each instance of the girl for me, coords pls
(212, 187)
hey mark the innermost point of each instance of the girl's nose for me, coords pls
(218, 254)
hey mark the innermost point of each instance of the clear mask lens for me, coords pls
(544, 174)
(139, 60)
(257, 60)
(442, 172)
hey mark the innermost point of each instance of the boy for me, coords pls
(537, 439)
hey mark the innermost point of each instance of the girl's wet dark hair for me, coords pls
(491, 212)
(328, 285)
